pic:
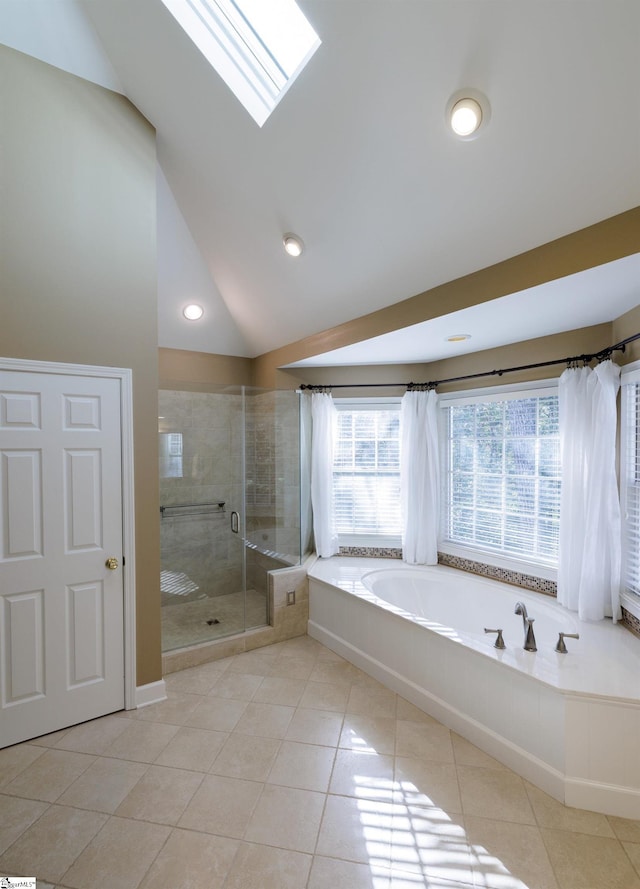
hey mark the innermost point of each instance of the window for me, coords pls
(366, 472)
(257, 48)
(501, 476)
(630, 480)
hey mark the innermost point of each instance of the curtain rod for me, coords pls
(585, 359)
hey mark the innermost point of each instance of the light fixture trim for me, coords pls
(458, 337)
(467, 113)
(293, 244)
(193, 312)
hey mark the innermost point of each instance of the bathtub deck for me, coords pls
(568, 723)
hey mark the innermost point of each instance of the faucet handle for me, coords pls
(499, 643)
(561, 647)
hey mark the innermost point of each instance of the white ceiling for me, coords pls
(358, 161)
(591, 297)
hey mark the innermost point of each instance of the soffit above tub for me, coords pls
(591, 297)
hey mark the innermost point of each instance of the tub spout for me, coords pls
(529, 637)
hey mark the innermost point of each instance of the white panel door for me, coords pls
(61, 605)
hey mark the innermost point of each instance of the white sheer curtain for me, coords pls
(589, 562)
(419, 477)
(323, 419)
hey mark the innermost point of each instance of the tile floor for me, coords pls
(288, 768)
(185, 623)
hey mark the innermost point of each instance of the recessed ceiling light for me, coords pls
(458, 337)
(467, 113)
(193, 312)
(293, 245)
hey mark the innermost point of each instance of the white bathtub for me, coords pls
(569, 723)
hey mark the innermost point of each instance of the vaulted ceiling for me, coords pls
(358, 160)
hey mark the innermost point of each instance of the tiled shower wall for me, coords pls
(202, 547)
(210, 471)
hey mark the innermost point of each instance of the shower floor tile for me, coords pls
(185, 623)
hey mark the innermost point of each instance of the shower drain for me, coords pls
(214, 621)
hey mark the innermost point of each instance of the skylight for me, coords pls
(257, 47)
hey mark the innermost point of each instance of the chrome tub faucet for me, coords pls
(529, 637)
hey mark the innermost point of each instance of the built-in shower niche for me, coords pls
(229, 459)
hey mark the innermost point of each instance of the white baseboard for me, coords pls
(151, 693)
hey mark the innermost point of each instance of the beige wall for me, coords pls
(78, 263)
(198, 371)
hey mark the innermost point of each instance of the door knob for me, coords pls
(111, 564)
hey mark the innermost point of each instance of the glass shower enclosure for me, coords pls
(230, 507)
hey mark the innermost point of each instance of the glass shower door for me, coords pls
(230, 508)
(201, 493)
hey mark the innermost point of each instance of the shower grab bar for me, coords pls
(168, 512)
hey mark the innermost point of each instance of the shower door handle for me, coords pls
(235, 522)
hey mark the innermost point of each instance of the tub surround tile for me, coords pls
(516, 578)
